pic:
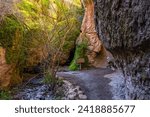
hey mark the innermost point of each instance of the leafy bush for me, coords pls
(12, 33)
(39, 29)
(79, 53)
(5, 95)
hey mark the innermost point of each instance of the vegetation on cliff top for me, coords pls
(40, 30)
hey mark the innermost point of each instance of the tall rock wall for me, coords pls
(96, 53)
(124, 27)
(8, 74)
(5, 70)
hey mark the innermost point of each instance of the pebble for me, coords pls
(42, 91)
(72, 96)
(76, 89)
(74, 92)
(82, 97)
(80, 92)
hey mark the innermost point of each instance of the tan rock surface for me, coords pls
(5, 70)
(96, 53)
(8, 74)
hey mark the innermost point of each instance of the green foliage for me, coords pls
(5, 95)
(8, 27)
(12, 38)
(45, 3)
(28, 6)
(51, 24)
(48, 78)
(73, 66)
(52, 81)
(79, 53)
(60, 20)
(30, 11)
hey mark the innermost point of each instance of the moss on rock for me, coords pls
(13, 40)
(79, 53)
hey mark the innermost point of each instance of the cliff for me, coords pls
(6, 70)
(124, 27)
(96, 52)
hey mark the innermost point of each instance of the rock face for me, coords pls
(5, 70)
(8, 74)
(96, 53)
(124, 27)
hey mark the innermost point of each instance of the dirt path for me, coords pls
(92, 82)
(97, 84)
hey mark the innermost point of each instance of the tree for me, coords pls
(53, 26)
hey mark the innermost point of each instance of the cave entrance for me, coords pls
(71, 56)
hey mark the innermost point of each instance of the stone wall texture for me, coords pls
(96, 53)
(124, 28)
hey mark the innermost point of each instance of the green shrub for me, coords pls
(9, 25)
(48, 78)
(5, 95)
(79, 53)
(51, 24)
(12, 38)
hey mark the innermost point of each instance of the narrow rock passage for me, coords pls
(92, 82)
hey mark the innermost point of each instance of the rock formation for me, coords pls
(5, 70)
(96, 53)
(124, 27)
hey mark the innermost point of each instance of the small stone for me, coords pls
(80, 92)
(71, 91)
(63, 98)
(76, 89)
(82, 97)
(61, 78)
(72, 96)
(67, 83)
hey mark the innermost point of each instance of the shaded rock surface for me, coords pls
(118, 85)
(124, 27)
